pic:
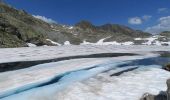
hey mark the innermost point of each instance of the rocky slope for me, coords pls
(86, 31)
(112, 32)
(18, 28)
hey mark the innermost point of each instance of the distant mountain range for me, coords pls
(20, 29)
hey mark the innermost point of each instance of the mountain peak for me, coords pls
(84, 24)
(21, 28)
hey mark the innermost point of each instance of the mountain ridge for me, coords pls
(18, 28)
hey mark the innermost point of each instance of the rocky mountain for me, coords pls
(19, 29)
(165, 33)
(112, 32)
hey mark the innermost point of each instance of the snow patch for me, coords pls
(153, 40)
(107, 43)
(138, 39)
(67, 43)
(100, 42)
(55, 43)
(150, 40)
(71, 27)
(86, 43)
(128, 43)
(31, 45)
(158, 43)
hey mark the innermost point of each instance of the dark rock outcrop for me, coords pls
(161, 96)
(168, 90)
(167, 67)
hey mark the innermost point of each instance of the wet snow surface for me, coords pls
(125, 77)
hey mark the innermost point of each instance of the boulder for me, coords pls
(168, 90)
(160, 96)
(167, 67)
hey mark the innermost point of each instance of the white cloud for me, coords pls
(146, 17)
(163, 10)
(135, 21)
(43, 18)
(163, 25)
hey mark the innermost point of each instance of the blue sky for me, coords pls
(138, 14)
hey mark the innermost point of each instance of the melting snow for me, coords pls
(76, 86)
(31, 45)
(138, 39)
(85, 43)
(153, 40)
(150, 40)
(128, 86)
(101, 42)
(128, 43)
(71, 27)
(89, 84)
(43, 53)
(55, 43)
(67, 43)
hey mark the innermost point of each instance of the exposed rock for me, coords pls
(85, 25)
(161, 96)
(168, 90)
(17, 27)
(112, 32)
(165, 33)
(167, 67)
